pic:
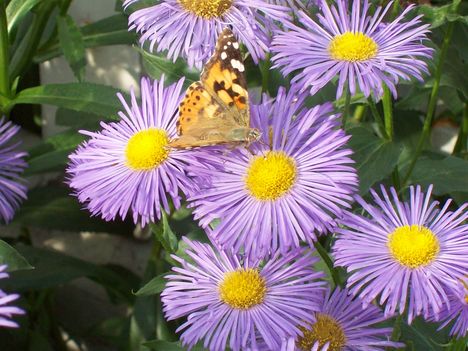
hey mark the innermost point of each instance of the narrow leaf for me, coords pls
(87, 97)
(12, 258)
(448, 174)
(17, 9)
(71, 41)
(112, 30)
(163, 233)
(375, 158)
(154, 286)
(155, 66)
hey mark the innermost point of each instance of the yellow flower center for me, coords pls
(242, 289)
(207, 8)
(147, 149)
(352, 47)
(465, 285)
(413, 246)
(270, 176)
(325, 329)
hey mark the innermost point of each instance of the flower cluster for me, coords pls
(266, 205)
(287, 188)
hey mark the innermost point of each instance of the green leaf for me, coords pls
(154, 286)
(375, 158)
(52, 154)
(155, 66)
(49, 162)
(163, 233)
(54, 268)
(77, 119)
(460, 344)
(159, 345)
(423, 336)
(439, 15)
(87, 97)
(448, 174)
(112, 30)
(71, 41)
(17, 9)
(39, 342)
(52, 207)
(113, 331)
(12, 258)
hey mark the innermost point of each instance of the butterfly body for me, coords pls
(215, 110)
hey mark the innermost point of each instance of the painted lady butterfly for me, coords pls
(215, 109)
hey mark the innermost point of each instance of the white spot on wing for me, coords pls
(229, 43)
(224, 47)
(236, 45)
(223, 55)
(237, 64)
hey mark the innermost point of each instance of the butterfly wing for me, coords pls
(217, 104)
(223, 77)
(202, 120)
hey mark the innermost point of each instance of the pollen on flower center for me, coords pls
(413, 246)
(242, 289)
(207, 8)
(325, 329)
(270, 176)
(352, 47)
(147, 149)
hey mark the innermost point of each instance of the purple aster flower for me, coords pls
(357, 47)
(231, 301)
(285, 188)
(127, 166)
(457, 309)
(12, 164)
(6, 310)
(403, 252)
(189, 29)
(343, 324)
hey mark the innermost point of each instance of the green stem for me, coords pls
(162, 329)
(346, 108)
(432, 104)
(397, 328)
(4, 58)
(326, 258)
(460, 146)
(377, 117)
(388, 113)
(359, 112)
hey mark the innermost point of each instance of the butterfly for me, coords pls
(215, 110)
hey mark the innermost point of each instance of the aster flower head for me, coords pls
(342, 324)
(403, 252)
(6, 310)
(190, 28)
(456, 311)
(126, 166)
(285, 188)
(359, 48)
(232, 301)
(12, 164)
